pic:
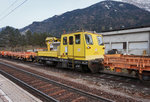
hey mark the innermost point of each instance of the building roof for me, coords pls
(146, 29)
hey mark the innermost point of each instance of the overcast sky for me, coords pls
(36, 10)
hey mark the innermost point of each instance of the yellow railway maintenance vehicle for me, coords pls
(80, 50)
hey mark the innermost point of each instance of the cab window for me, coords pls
(64, 40)
(71, 40)
(100, 41)
(88, 39)
(77, 39)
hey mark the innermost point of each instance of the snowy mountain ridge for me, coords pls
(145, 4)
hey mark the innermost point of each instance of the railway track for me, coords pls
(121, 78)
(46, 89)
(114, 79)
(103, 75)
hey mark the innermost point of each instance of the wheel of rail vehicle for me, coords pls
(31, 58)
(43, 62)
(145, 76)
(96, 65)
(85, 68)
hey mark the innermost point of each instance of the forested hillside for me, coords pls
(12, 38)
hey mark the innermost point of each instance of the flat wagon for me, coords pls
(132, 63)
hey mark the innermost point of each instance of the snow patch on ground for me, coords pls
(107, 7)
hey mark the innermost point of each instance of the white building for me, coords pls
(131, 41)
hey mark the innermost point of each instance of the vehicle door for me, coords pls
(79, 47)
(71, 47)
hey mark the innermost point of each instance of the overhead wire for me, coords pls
(8, 7)
(13, 10)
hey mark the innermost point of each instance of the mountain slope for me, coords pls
(145, 4)
(102, 16)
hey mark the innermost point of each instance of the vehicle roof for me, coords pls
(86, 32)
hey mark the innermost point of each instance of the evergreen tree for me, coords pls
(12, 38)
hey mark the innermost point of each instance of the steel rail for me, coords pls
(37, 92)
(84, 93)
